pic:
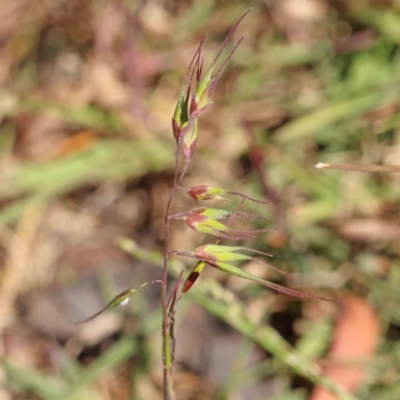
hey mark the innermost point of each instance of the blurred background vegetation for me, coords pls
(87, 91)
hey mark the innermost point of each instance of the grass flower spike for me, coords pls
(120, 299)
(204, 192)
(203, 223)
(194, 99)
(193, 275)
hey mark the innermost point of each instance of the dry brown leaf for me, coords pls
(354, 339)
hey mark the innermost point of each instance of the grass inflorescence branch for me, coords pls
(194, 99)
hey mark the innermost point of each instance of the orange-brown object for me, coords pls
(80, 141)
(354, 339)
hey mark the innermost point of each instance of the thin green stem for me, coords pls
(169, 393)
